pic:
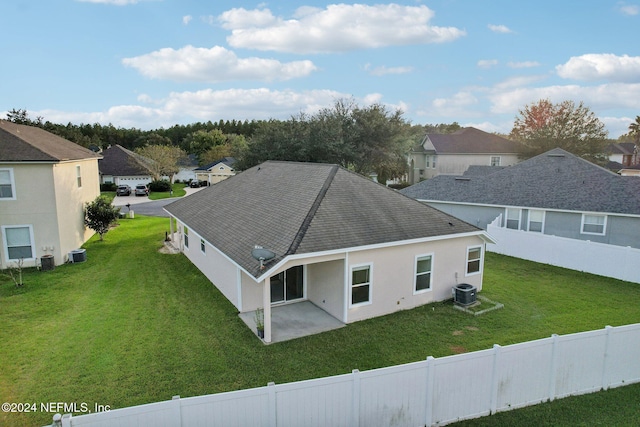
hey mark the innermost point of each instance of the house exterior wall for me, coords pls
(326, 289)
(619, 230)
(422, 164)
(49, 200)
(393, 275)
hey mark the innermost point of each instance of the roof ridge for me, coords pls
(312, 211)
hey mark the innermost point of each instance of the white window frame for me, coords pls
(5, 244)
(415, 273)
(584, 222)
(370, 284)
(79, 176)
(466, 269)
(498, 158)
(12, 182)
(507, 219)
(203, 246)
(542, 222)
(185, 236)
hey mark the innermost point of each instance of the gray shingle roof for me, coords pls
(296, 208)
(118, 161)
(553, 180)
(470, 140)
(21, 143)
(228, 161)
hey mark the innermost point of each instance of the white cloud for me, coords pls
(457, 101)
(338, 28)
(606, 66)
(186, 19)
(384, 70)
(503, 29)
(216, 64)
(524, 64)
(629, 9)
(487, 63)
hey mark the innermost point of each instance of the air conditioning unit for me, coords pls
(464, 294)
(78, 255)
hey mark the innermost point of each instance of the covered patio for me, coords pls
(290, 321)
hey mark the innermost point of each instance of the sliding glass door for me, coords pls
(288, 285)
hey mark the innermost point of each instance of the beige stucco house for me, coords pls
(452, 154)
(45, 181)
(217, 171)
(352, 247)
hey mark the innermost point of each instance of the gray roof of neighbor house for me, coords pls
(553, 180)
(470, 140)
(118, 161)
(296, 208)
(22, 143)
(621, 148)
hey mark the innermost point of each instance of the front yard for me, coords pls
(132, 326)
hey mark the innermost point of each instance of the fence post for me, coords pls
(493, 402)
(273, 409)
(605, 359)
(66, 420)
(430, 383)
(554, 367)
(355, 398)
(177, 411)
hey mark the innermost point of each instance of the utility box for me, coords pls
(464, 294)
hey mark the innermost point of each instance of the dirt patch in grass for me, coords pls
(457, 349)
(457, 333)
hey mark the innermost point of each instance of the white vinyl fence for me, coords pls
(618, 262)
(431, 392)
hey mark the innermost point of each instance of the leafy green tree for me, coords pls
(542, 126)
(164, 160)
(99, 215)
(634, 130)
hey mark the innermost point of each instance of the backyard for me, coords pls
(132, 325)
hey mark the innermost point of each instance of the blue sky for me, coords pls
(155, 63)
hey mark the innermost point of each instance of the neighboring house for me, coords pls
(123, 167)
(555, 193)
(452, 154)
(352, 247)
(187, 167)
(45, 181)
(216, 171)
(625, 153)
(630, 170)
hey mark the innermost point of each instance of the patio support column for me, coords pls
(266, 305)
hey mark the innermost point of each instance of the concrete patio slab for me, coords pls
(290, 321)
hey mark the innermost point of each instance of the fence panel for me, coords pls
(232, 409)
(394, 396)
(462, 386)
(319, 402)
(432, 392)
(523, 374)
(579, 363)
(614, 261)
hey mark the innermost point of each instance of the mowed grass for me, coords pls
(132, 325)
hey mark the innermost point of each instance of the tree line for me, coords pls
(365, 139)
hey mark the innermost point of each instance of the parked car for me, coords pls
(142, 190)
(123, 190)
(195, 183)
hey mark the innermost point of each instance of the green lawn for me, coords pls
(132, 326)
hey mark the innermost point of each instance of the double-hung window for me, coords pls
(474, 260)
(536, 221)
(361, 284)
(594, 224)
(202, 246)
(79, 176)
(186, 237)
(424, 267)
(7, 185)
(495, 160)
(513, 218)
(18, 242)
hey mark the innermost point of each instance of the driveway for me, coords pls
(144, 206)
